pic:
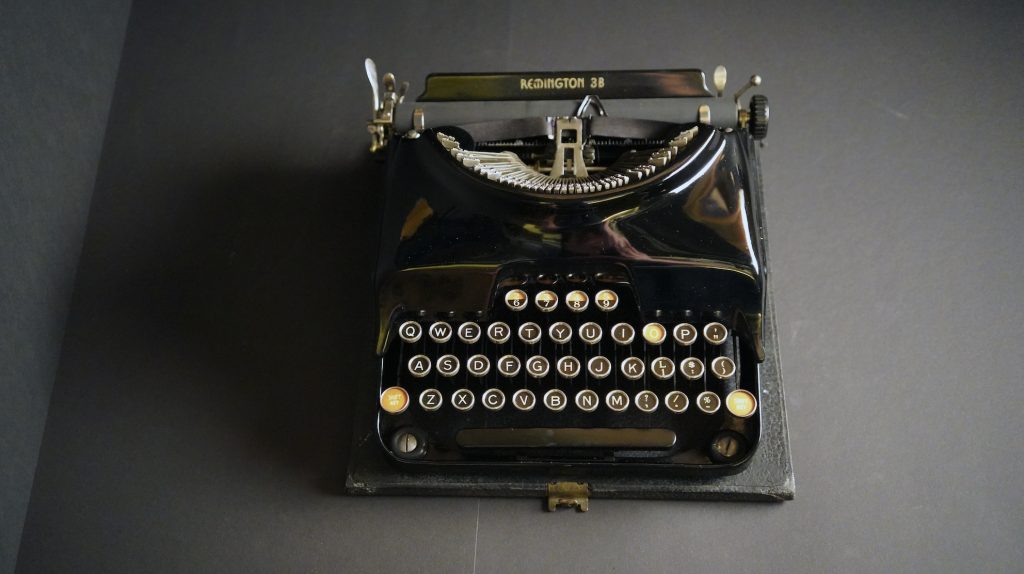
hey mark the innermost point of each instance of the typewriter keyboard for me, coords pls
(567, 369)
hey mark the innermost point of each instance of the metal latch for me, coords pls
(569, 495)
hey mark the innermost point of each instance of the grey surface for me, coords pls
(200, 421)
(58, 64)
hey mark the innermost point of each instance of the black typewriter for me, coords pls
(571, 274)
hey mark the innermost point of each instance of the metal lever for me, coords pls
(755, 80)
(382, 124)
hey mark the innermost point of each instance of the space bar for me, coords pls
(566, 438)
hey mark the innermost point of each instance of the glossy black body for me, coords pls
(685, 245)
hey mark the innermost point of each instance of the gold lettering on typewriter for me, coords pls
(564, 83)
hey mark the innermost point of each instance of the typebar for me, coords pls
(624, 438)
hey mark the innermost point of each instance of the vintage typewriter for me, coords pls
(571, 281)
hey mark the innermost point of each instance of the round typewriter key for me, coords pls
(440, 332)
(632, 368)
(463, 399)
(546, 301)
(617, 400)
(677, 402)
(587, 400)
(499, 332)
(419, 366)
(516, 299)
(599, 367)
(560, 332)
(663, 368)
(654, 333)
(692, 368)
(529, 333)
(568, 367)
(537, 366)
(447, 365)
(622, 333)
(509, 365)
(741, 403)
(524, 400)
(708, 402)
(431, 399)
(478, 365)
(606, 300)
(555, 400)
(723, 367)
(410, 331)
(715, 333)
(493, 399)
(685, 334)
(394, 400)
(577, 301)
(590, 333)
(469, 332)
(646, 401)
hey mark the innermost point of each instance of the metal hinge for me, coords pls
(569, 495)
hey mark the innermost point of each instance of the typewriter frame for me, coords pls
(764, 475)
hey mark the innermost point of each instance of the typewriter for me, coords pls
(571, 279)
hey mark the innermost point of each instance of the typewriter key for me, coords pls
(560, 332)
(463, 399)
(410, 331)
(419, 366)
(723, 367)
(499, 332)
(469, 332)
(529, 333)
(708, 402)
(431, 399)
(654, 333)
(568, 367)
(622, 333)
(524, 400)
(617, 400)
(516, 299)
(587, 400)
(741, 403)
(537, 366)
(692, 368)
(715, 333)
(632, 368)
(509, 365)
(590, 333)
(493, 399)
(677, 402)
(554, 400)
(599, 367)
(478, 365)
(447, 365)
(546, 301)
(577, 301)
(685, 334)
(646, 401)
(606, 300)
(663, 368)
(394, 400)
(440, 332)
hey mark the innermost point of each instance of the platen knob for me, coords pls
(758, 123)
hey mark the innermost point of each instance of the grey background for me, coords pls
(200, 416)
(58, 64)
